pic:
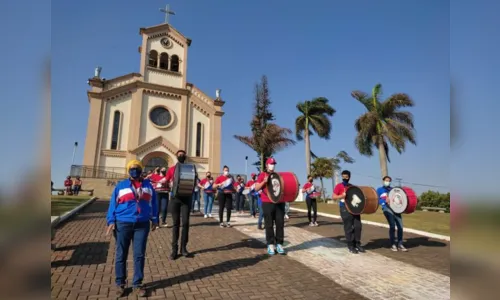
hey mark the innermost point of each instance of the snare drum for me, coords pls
(184, 180)
(361, 200)
(282, 187)
(402, 200)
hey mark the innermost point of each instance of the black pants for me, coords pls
(311, 203)
(225, 200)
(352, 227)
(180, 208)
(240, 201)
(274, 214)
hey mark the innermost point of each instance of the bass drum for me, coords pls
(402, 200)
(361, 200)
(282, 187)
(184, 180)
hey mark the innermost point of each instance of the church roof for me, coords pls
(162, 27)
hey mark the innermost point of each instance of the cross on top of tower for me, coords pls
(167, 12)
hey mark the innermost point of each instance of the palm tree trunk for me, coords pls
(383, 159)
(262, 167)
(308, 148)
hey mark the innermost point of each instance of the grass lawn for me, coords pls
(62, 204)
(434, 222)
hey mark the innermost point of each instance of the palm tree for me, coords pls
(342, 156)
(383, 124)
(322, 167)
(313, 119)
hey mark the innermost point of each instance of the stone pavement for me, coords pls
(231, 264)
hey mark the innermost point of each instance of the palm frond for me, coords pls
(342, 155)
(247, 140)
(300, 124)
(321, 125)
(314, 156)
(377, 92)
(364, 144)
(364, 99)
(366, 124)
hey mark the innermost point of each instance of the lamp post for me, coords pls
(246, 167)
(74, 152)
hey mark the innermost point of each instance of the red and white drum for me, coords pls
(402, 200)
(282, 187)
(313, 194)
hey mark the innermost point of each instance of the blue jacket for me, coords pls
(383, 193)
(125, 207)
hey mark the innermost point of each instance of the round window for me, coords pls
(160, 116)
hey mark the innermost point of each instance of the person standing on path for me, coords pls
(196, 196)
(132, 213)
(394, 219)
(352, 223)
(239, 187)
(162, 189)
(309, 189)
(180, 208)
(224, 184)
(274, 213)
(252, 195)
(206, 184)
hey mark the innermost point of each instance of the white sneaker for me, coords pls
(209, 215)
(287, 217)
(206, 216)
(311, 224)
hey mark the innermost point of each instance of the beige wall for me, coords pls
(122, 104)
(159, 148)
(158, 76)
(197, 116)
(112, 162)
(148, 130)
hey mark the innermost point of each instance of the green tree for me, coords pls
(313, 119)
(322, 167)
(384, 123)
(267, 137)
(341, 157)
(434, 199)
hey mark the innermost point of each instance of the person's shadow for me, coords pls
(208, 271)
(92, 253)
(245, 243)
(408, 243)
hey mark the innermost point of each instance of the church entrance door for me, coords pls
(154, 160)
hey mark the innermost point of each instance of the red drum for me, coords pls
(402, 200)
(315, 195)
(361, 200)
(282, 187)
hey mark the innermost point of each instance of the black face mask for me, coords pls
(310, 180)
(345, 181)
(208, 176)
(181, 158)
(163, 172)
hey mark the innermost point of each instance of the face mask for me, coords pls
(345, 181)
(270, 167)
(135, 173)
(226, 172)
(208, 176)
(310, 180)
(181, 158)
(253, 178)
(163, 172)
(387, 183)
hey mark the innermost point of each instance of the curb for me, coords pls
(72, 212)
(410, 230)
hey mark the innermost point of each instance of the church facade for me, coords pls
(151, 114)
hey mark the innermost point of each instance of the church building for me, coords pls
(151, 114)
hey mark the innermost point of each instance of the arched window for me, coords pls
(153, 58)
(199, 138)
(116, 130)
(164, 61)
(174, 63)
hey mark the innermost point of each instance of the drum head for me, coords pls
(355, 200)
(246, 192)
(397, 200)
(274, 187)
(176, 179)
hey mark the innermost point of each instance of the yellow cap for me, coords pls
(134, 162)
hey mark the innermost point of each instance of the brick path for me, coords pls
(227, 265)
(230, 264)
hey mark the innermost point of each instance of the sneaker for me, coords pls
(311, 224)
(120, 291)
(271, 250)
(140, 291)
(360, 249)
(353, 250)
(164, 224)
(402, 248)
(222, 225)
(316, 224)
(228, 225)
(205, 216)
(260, 227)
(287, 217)
(280, 249)
(209, 215)
(394, 248)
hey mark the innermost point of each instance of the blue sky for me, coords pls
(327, 48)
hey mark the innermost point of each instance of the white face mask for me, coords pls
(387, 183)
(270, 167)
(226, 172)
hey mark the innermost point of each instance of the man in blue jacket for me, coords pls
(131, 215)
(394, 219)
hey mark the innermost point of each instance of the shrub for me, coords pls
(434, 199)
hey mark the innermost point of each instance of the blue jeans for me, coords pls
(240, 201)
(196, 198)
(394, 220)
(209, 202)
(163, 206)
(125, 233)
(261, 214)
(287, 208)
(252, 203)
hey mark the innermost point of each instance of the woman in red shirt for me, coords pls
(224, 184)
(309, 189)
(274, 213)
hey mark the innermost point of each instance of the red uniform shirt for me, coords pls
(220, 180)
(306, 186)
(207, 188)
(250, 183)
(170, 174)
(263, 192)
(339, 190)
(68, 182)
(158, 183)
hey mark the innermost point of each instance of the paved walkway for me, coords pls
(231, 264)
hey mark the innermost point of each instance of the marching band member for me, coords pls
(162, 189)
(239, 186)
(394, 219)
(180, 208)
(274, 213)
(131, 208)
(206, 184)
(224, 184)
(252, 197)
(261, 211)
(310, 191)
(196, 196)
(352, 223)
